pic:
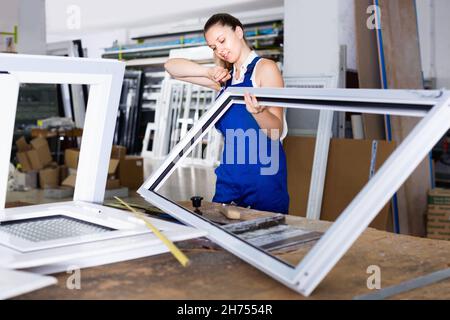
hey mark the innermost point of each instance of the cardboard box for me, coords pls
(347, 173)
(34, 156)
(35, 160)
(22, 154)
(42, 150)
(22, 145)
(438, 214)
(49, 177)
(118, 152)
(438, 196)
(63, 172)
(112, 184)
(71, 157)
(112, 168)
(69, 181)
(24, 161)
(131, 172)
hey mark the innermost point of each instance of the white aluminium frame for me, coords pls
(105, 80)
(130, 238)
(433, 106)
(323, 137)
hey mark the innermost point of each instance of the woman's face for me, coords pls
(225, 42)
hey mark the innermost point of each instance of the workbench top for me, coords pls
(216, 274)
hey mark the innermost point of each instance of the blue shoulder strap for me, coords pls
(247, 77)
(250, 68)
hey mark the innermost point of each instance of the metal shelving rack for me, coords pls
(151, 52)
(128, 116)
(265, 37)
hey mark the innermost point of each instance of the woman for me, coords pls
(248, 183)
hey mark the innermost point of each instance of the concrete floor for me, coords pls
(186, 181)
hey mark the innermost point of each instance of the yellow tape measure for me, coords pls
(181, 257)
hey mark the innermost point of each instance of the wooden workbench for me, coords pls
(216, 274)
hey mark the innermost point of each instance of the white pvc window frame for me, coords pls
(323, 137)
(130, 238)
(105, 80)
(432, 106)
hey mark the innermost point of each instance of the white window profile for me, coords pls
(88, 233)
(432, 106)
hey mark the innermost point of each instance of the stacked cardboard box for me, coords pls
(71, 157)
(131, 168)
(131, 172)
(49, 177)
(118, 152)
(71, 162)
(36, 157)
(123, 170)
(438, 215)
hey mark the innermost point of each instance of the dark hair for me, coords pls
(225, 19)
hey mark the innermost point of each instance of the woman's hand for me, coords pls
(252, 104)
(219, 74)
(192, 72)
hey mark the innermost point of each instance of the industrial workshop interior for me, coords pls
(237, 151)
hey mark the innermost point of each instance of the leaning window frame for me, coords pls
(132, 239)
(432, 106)
(105, 80)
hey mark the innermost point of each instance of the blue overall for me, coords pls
(242, 182)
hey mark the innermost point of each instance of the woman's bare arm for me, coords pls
(189, 71)
(269, 118)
